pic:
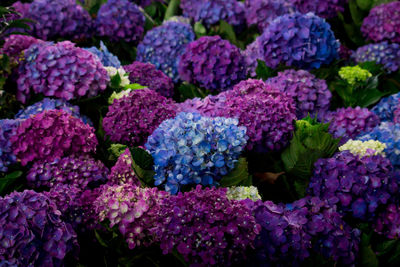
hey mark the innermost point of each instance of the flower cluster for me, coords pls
(191, 149)
(354, 75)
(209, 106)
(387, 222)
(206, 227)
(211, 12)
(364, 148)
(59, 18)
(324, 9)
(132, 118)
(164, 45)
(382, 53)
(52, 135)
(212, 63)
(7, 129)
(123, 76)
(122, 172)
(33, 233)
(60, 70)
(106, 58)
(310, 93)
(396, 114)
(386, 107)
(383, 23)
(251, 55)
(357, 185)
(80, 171)
(243, 192)
(389, 134)
(120, 20)
(15, 44)
(146, 74)
(300, 40)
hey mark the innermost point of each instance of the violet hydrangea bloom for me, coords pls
(33, 233)
(310, 93)
(357, 185)
(146, 74)
(15, 44)
(324, 9)
(51, 135)
(106, 57)
(387, 222)
(164, 45)
(7, 129)
(386, 107)
(381, 53)
(120, 20)
(122, 172)
(300, 40)
(60, 70)
(251, 55)
(212, 63)
(396, 114)
(132, 118)
(383, 23)
(191, 149)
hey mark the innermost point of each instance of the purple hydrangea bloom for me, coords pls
(21, 9)
(251, 55)
(396, 114)
(211, 12)
(209, 106)
(120, 20)
(206, 227)
(324, 9)
(300, 40)
(383, 23)
(310, 93)
(80, 171)
(191, 149)
(387, 222)
(51, 135)
(164, 45)
(7, 129)
(60, 70)
(382, 53)
(122, 172)
(59, 18)
(146, 74)
(15, 44)
(386, 108)
(357, 185)
(106, 58)
(212, 63)
(348, 123)
(33, 233)
(132, 118)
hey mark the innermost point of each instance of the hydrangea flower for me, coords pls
(353, 75)
(364, 148)
(381, 53)
(7, 129)
(212, 63)
(123, 76)
(15, 44)
(120, 20)
(310, 93)
(163, 46)
(348, 123)
(389, 134)
(209, 106)
(106, 58)
(59, 18)
(80, 171)
(386, 107)
(146, 74)
(191, 149)
(211, 12)
(357, 185)
(60, 70)
(324, 9)
(243, 192)
(299, 40)
(33, 233)
(51, 135)
(383, 23)
(251, 55)
(396, 114)
(122, 172)
(387, 222)
(206, 227)
(132, 118)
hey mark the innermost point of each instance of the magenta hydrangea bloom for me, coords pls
(310, 93)
(32, 231)
(251, 55)
(146, 74)
(15, 44)
(387, 222)
(122, 172)
(383, 23)
(212, 63)
(60, 70)
(132, 118)
(51, 135)
(324, 9)
(120, 20)
(80, 171)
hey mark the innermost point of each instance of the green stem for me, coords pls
(171, 9)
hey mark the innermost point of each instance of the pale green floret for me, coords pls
(364, 148)
(355, 74)
(243, 192)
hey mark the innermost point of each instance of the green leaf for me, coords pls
(263, 71)
(386, 246)
(116, 150)
(227, 31)
(368, 257)
(116, 81)
(7, 181)
(142, 164)
(372, 67)
(100, 239)
(134, 86)
(172, 9)
(189, 91)
(394, 260)
(356, 13)
(238, 176)
(364, 4)
(199, 29)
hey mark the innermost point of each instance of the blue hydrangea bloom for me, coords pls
(163, 46)
(106, 58)
(7, 157)
(386, 107)
(388, 133)
(191, 149)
